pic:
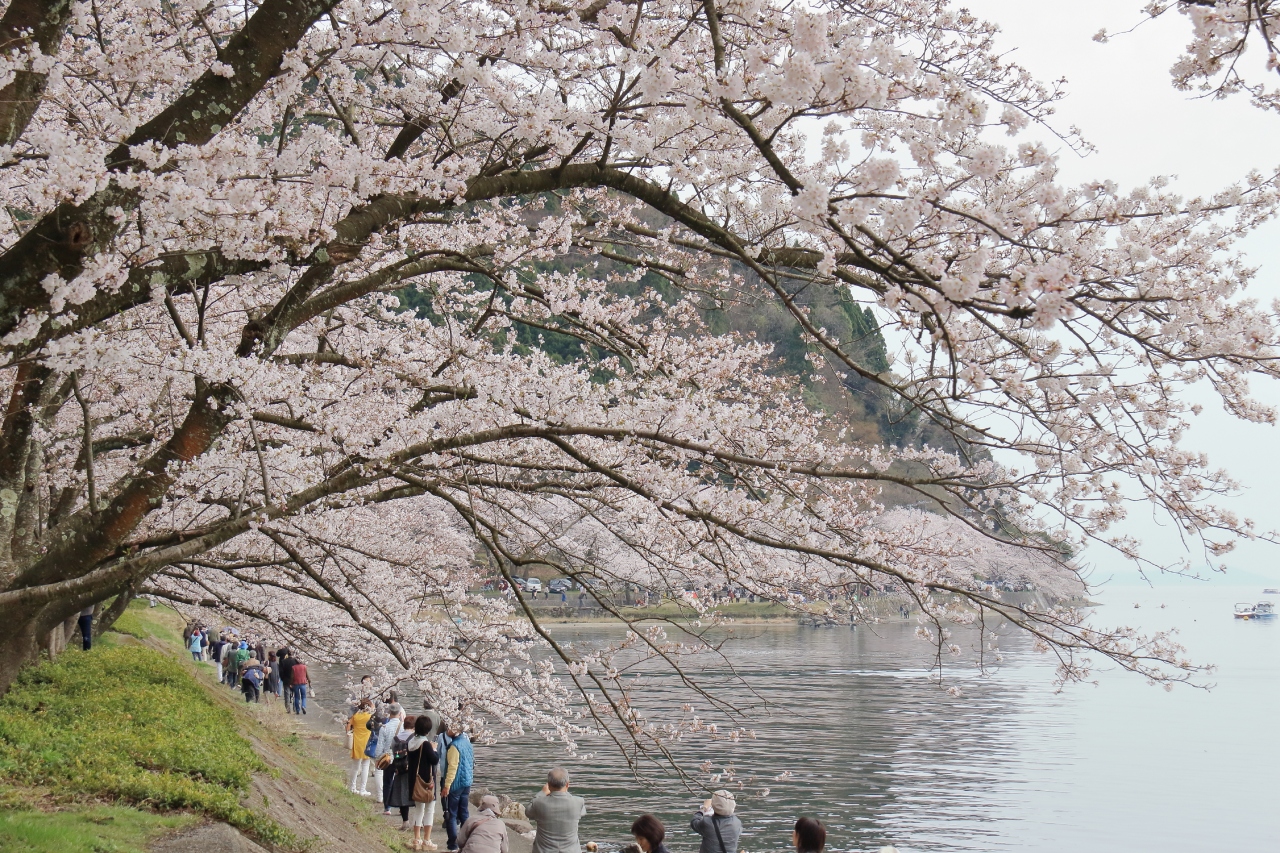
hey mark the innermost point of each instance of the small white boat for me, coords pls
(1270, 591)
(1261, 610)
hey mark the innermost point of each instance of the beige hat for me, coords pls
(490, 802)
(723, 803)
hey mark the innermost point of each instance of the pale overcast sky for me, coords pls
(1121, 98)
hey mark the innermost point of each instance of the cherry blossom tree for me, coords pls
(280, 283)
(1222, 30)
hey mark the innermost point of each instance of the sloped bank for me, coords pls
(135, 739)
(324, 727)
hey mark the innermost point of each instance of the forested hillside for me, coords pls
(874, 416)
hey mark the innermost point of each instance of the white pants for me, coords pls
(360, 771)
(423, 814)
(219, 671)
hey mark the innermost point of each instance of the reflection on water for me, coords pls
(881, 755)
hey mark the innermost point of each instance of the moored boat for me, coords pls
(1261, 610)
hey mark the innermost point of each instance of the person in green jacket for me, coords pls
(238, 660)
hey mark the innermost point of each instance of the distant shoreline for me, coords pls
(879, 610)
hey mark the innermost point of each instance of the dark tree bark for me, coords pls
(28, 22)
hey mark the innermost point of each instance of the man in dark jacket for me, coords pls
(215, 654)
(286, 677)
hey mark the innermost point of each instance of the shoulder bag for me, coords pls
(371, 746)
(423, 792)
(382, 762)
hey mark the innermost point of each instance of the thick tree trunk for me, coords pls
(26, 636)
(103, 622)
(22, 646)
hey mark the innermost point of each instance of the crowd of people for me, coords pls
(418, 760)
(415, 761)
(247, 666)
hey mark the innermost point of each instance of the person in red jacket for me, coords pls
(298, 678)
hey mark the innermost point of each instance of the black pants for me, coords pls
(86, 630)
(388, 779)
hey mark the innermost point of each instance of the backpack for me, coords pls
(399, 752)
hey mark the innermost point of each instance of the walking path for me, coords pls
(327, 732)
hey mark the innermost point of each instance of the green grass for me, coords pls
(130, 724)
(143, 622)
(100, 829)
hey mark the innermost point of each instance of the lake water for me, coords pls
(881, 755)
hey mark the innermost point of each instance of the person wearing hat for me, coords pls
(484, 831)
(717, 824)
(251, 678)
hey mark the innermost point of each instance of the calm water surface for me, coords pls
(881, 755)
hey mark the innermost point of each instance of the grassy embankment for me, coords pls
(103, 752)
(88, 737)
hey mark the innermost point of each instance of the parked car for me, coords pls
(519, 582)
(532, 585)
(558, 585)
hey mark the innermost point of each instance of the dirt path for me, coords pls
(306, 791)
(327, 732)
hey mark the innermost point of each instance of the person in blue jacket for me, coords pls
(459, 770)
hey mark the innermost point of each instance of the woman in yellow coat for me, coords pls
(358, 725)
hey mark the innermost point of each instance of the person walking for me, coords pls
(437, 722)
(365, 690)
(719, 827)
(86, 627)
(238, 659)
(251, 679)
(298, 678)
(229, 674)
(399, 786)
(809, 836)
(649, 834)
(358, 726)
(459, 770)
(273, 675)
(420, 779)
(194, 647)
(557, 813)
(484, 831)
(286, 677)
(383, 756)
(374, 725)
(215, 652)
(224, 659)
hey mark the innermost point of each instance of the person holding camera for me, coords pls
(719, 827)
